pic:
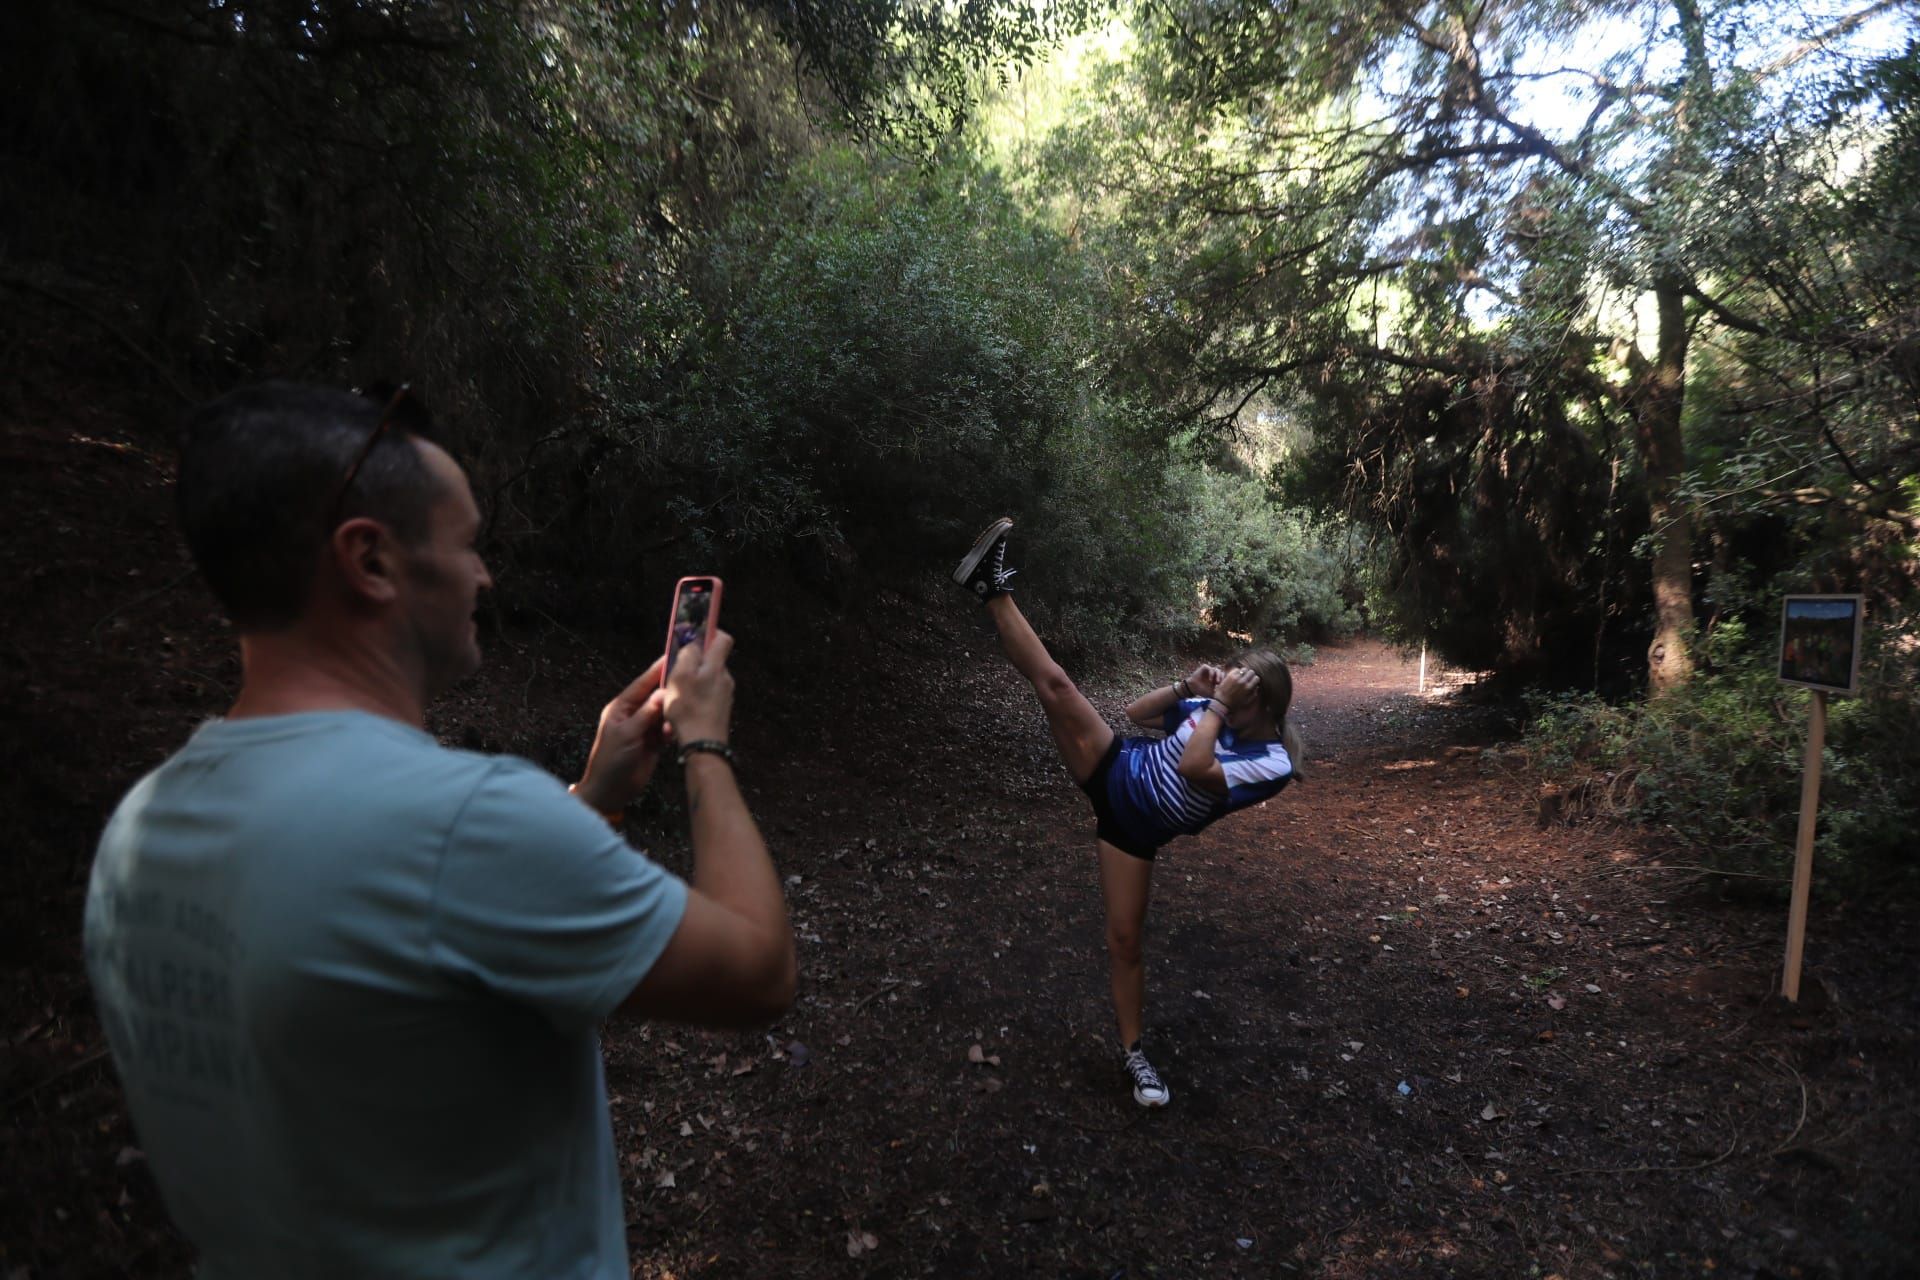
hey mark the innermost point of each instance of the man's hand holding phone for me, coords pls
(627, 746)
(699, 694)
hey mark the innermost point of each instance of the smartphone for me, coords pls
(696, 612)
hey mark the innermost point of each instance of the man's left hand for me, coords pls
(628, 745)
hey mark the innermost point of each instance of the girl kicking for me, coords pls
(1227, 745)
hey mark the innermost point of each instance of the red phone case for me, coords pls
(705, 627)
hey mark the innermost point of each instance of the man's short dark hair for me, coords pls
(260, 476)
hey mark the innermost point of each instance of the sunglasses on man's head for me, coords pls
(403, 410)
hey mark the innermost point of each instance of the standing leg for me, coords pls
(1078, 731)
(1123, 883)
(1123, 886)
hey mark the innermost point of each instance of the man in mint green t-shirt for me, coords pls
(352, 979)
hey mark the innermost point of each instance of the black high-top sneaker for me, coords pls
(1148, 1090)
(983, 570)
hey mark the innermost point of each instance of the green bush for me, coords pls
(1275, 574)
(870, 361)
(662, 317)
(1719, 761)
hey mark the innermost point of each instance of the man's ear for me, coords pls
(366, 557)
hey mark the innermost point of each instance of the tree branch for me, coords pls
(1379, 355)
(1818, 497)
(1814, 43)
(1465, 59)
(1724, 314)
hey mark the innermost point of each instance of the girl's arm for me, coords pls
(1197, 764)
(1147, 709)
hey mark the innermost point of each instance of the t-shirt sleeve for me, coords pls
(541, 903)
(1254, 775)
(1173, 716)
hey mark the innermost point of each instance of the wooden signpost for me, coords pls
(1820, 650)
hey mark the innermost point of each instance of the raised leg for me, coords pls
(1078, 731)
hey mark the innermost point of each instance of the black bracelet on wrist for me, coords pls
(712, 745)
(1182, 688)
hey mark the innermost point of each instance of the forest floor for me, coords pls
(1408, 1031)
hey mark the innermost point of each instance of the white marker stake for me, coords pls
(1803, 845)
(1423, 666)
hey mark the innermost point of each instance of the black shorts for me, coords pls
(1104, 825)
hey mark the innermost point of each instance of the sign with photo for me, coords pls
(1820, 642)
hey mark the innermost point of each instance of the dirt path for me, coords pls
(1408, 1034)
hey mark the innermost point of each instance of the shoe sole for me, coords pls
(1162, 1101)
(981, 545)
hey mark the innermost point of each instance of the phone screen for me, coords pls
(692, 605)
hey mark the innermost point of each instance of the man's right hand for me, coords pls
(699, 693)
(731, 962)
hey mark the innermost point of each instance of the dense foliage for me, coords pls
(1572, 295)
(1721, 762)
(661, 310)
(1562, 337)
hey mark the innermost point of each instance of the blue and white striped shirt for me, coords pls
(1153, 803)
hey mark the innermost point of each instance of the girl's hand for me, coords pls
(1203, 680)
(1238, 688)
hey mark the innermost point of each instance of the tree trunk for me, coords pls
(1663, 457)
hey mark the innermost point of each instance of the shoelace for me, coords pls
(1000, 574)
(1143, 1073)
